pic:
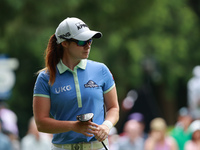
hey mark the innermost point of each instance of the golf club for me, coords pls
(85, 118)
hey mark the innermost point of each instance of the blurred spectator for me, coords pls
(194, 143)
(8, 118)
(113, 138)
(35, 140)
(5, 143)
(181, 132)
(194, 93)
(139, 117)
(9, 125)
(131, 138)
(158, 139)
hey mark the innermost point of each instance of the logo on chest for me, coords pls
(90, 84)
(63, 89)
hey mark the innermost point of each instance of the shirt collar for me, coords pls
(62, 67)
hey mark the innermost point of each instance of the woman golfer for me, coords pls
(71, 85)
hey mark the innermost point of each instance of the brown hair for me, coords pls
(53, 54)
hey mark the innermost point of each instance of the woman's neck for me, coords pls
(70, 63)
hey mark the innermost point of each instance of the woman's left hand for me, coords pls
(103, 132)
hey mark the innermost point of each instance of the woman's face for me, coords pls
(158, 135)
(196, 135)
(77, 52)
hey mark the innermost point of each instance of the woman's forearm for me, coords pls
(50, 125)
(112, 115)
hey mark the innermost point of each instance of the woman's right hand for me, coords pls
(86, 128)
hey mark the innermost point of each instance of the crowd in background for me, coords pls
(184, 135)
(9, 136)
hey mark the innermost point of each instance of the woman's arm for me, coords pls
(112, 106)
(112, 113)
(41, 110)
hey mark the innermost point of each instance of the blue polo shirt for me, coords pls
(76, 92)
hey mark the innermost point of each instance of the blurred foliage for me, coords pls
(154, 38)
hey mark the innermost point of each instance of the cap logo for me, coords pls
(63, 36)
(80, 25)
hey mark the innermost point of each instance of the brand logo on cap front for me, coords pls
(81, 25)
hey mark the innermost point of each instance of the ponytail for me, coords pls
(53, 54)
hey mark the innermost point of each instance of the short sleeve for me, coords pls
(42, 87)
(109, 82)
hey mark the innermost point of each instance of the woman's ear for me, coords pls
(65, 44)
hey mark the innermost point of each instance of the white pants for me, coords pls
(53, 147)
(56, 148)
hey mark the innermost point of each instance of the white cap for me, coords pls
(195, 125)
(76, 29)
